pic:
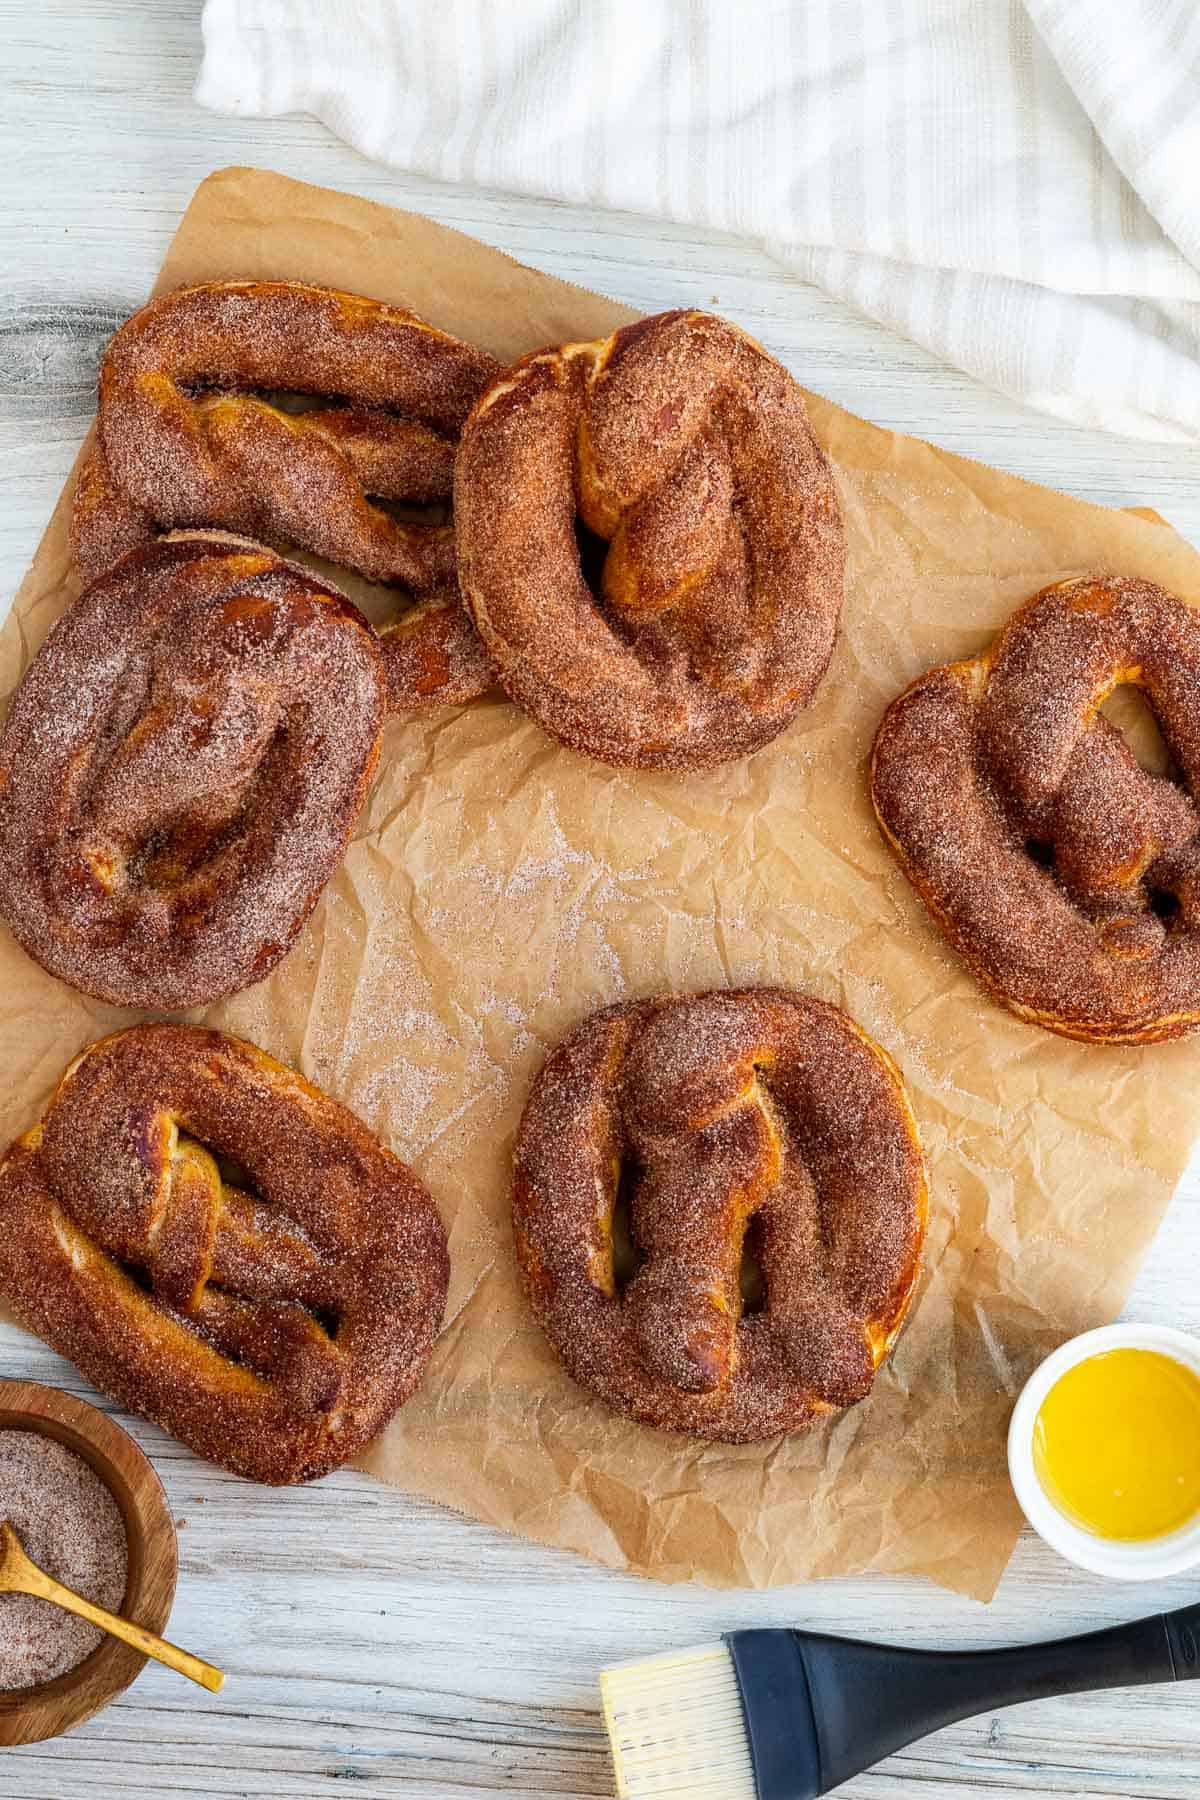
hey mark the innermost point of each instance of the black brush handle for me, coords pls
(821, 1709)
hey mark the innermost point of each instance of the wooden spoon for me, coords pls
(18, 1575)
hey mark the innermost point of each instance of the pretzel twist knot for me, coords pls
(181, 769)
(686, 451)
(1065, 874)
(753, 1121)
(190, 435)
(273, 1332)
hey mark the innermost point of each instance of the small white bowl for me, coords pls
(1146, 1559)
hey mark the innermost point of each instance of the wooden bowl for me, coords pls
(27, 1715)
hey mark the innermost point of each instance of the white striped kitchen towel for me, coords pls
(1013, 183)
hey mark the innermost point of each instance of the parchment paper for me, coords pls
(499, 888)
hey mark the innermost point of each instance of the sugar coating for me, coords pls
(1067, 876)
(181, 769)
(687, 452)
(753, 1116)
(70, 1525)
(190, 434)
(273, 1318)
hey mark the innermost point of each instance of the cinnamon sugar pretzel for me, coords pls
(1065, 875)
(274, 1332)
(181, 769)
(686, 451)
(757, 1119)
(188, 435)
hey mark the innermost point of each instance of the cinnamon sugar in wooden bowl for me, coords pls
(29, 1714)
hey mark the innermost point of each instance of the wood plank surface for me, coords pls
(368, 1638)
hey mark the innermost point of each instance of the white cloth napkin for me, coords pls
(1013, 183)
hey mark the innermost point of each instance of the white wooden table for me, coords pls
(369, 1638)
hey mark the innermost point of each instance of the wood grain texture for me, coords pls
(373, 1643)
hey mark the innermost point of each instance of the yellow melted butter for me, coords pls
(1116, 1444)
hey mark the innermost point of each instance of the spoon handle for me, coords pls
(35, 1581)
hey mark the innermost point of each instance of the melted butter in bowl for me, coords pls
(1116, 1444)
(1104, 1451)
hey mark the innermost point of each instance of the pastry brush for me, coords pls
(788, 1715)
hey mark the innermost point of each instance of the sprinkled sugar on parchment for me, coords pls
(498, 888)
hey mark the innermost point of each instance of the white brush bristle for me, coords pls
(676, 1727)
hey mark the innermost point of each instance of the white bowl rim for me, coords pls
(1144, 1559)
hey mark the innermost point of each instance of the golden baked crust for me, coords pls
(757, 1118)
(273, 1332)
(181, 769)
(684, 447)
(187, 435)
(1065, 875)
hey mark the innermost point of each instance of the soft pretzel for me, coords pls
(273, 1319)
(754, 1119)
(181, 769)
(1066, 876)
(686, 450)
(188, 434)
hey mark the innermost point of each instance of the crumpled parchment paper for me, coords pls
(499, 887)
